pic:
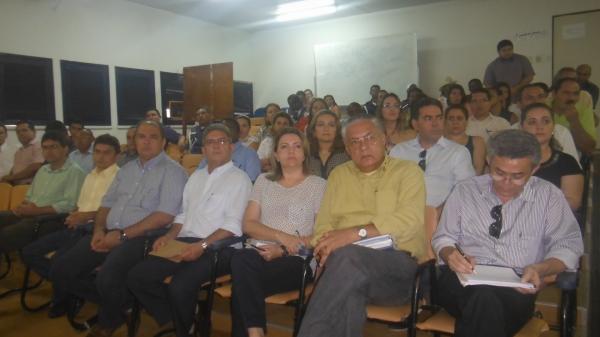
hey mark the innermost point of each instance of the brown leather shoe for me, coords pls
(98, 331)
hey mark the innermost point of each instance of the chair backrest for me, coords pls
(5, 196)
(174, 152)
(257, 121)
(190, 162)
(17, 195)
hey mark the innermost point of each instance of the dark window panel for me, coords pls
(135, 94)
(243, 97)
(26, 89)
(171, 89)
(86, 93)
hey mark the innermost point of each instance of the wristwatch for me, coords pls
(122, 235)
(362, 233)
(204, 245)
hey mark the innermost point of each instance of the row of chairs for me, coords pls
(11, 196)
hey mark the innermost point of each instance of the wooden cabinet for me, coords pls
(208, 85)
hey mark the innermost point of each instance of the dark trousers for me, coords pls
(253, 280)
(16, 231)
(73, 272)
(34, 254)
(353, 277)
(484, 311)
(177, 300)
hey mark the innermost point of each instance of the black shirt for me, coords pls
(560, 164)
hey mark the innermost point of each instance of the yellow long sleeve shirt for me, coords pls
(392, 198)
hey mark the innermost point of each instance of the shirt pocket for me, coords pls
(150, 197)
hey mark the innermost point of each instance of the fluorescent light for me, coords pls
(304, 9)
(168, 111)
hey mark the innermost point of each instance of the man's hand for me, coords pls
(333, 240)
(160, 242)
(532, 275)
(111, 240)
(5, 179)
(192, 252)
(457, 262)
(27, 209)
(75, 219)
(270, 252)
(570, 113)
(97, 243)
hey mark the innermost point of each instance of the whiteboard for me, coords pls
(347, 70)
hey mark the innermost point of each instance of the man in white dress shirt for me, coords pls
(214, 200)
(482, 123)
(443, 161)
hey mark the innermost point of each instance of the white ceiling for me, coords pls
(259, 14)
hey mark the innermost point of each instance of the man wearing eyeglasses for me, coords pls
(506, 218)
(369, 196)
(214, 200)
(444, 162)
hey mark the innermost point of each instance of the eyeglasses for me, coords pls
(496, 226)
(220, 141)
(422, 163)
(367, 140)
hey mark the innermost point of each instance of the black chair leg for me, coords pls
(75, 305)
(568, 314)
(24, 291)
(8, 264)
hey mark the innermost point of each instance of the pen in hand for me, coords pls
(465, 256)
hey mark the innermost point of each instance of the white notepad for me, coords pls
(493, 276)
(377, 242)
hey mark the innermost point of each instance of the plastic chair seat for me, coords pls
(388, 314)
(444, 322)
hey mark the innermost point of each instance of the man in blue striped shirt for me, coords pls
(145, 195)
(507, 218)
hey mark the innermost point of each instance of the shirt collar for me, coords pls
(218, 171)
(106, 172)
(443, 142)
(379, 170)
(68, 163)
(32, 142)
(152, 162)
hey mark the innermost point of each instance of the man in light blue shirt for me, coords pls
(145, 195)
(83, 153)
(444, 162)
(243, 157)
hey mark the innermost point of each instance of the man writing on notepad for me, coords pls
(506, 218)
(214, 200)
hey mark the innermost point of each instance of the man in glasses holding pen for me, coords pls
(506, 218)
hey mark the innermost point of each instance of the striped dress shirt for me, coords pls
(536, 225)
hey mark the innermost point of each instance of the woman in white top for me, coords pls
(279, 220)
(265, 150)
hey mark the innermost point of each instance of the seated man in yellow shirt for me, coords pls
(369, 196)
(79, 222)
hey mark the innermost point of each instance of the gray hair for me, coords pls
(514, 144)
(359, 119)
(216, 127)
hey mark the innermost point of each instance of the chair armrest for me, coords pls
(567, 280)
(224, 243)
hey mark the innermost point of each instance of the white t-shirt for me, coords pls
(486, 127)
(7, 157)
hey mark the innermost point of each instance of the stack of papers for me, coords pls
(493, 276)
(377, 242)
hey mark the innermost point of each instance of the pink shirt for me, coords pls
(25, 156)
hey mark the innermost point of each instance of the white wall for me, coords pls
(113, 32)
(457, 39)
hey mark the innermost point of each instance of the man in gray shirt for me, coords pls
(508, 67)
(144, 196)
(506, 218)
